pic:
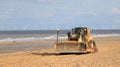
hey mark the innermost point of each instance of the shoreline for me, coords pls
(18, 46)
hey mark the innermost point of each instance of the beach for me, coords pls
(108, 55)
(59, 33)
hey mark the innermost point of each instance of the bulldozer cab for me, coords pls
(78, 32)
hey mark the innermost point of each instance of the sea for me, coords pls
(40, 35)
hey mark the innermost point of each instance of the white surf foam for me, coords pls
(52, 37)
(105, 35)
(55, 37)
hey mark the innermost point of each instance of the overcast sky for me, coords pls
(63, 14)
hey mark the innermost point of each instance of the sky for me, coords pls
(62, 14)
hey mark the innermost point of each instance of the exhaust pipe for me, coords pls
(58, 30)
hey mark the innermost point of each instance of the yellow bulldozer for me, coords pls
(79, 41)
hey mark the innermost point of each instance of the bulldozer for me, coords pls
(78, 40)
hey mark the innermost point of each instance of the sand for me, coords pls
(108, 55)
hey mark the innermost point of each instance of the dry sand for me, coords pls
(108, 55)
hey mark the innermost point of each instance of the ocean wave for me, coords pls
(105, 35)
(55, 37)
(52, 37)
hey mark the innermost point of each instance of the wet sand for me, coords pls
(17, 46)
(108, 55)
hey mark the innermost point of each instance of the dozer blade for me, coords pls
(70, 47)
